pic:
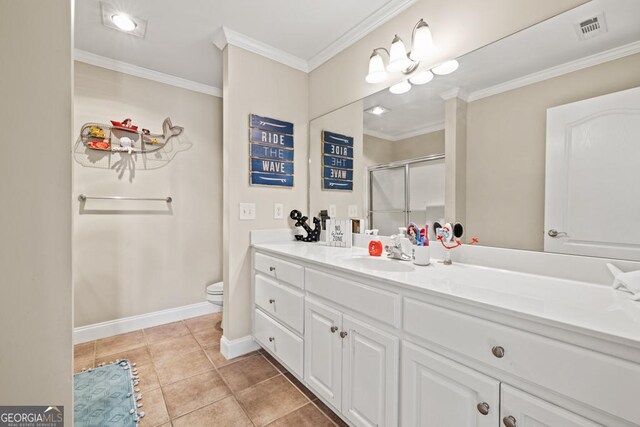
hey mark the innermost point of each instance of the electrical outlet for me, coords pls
(332, 211)
(278, 211)
(247, 211)
(353, 211)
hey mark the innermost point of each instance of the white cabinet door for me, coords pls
(370, 375)
(323, 351)
(519, 409)
(438, 392)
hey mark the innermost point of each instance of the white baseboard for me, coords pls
(133, 323)
(238, 347)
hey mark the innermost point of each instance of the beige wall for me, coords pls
(131, 263)
(254, 84)
(458, 28)
(35, 189)
(347, 121)
(381, 151)
(506, 137)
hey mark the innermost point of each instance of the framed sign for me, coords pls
(337, 161)
(271, 152)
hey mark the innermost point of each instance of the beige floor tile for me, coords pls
(224, 413)
(182, 366)
(213, 353)
(247, 372)
(119, 343)
(307, 416)
(304, 390)
(148, 378)
(173, 347)
(201, 323)
(84, 350)
(329, 413)
(165, 332)
(193, 393)
(155, 411)
(80, 364)
(270, 400)
(139, 356)
(208, 337)
(274, 362)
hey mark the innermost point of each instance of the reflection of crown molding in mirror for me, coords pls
(145, 73)
(559, 70)
(433, 127)
(454, 92)
(225, 36)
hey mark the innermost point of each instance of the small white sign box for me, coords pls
(339, 233)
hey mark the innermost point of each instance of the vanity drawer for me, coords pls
(282, 302)
(604, 382)
(376, 303)
(279, 341)
(279, 269)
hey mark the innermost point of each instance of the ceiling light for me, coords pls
(446, 67)
(377, 73)
(421, 42)
(400, 88)
(421, 77)
(378, 110)
(398, 59)
(124, 22)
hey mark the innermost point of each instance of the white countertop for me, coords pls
(593, 309)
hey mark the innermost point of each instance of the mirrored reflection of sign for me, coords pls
(271, 153)
(337, 161)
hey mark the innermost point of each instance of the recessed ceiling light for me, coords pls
(121, 21)
(377, 110)
(124, 22)
(446, 68)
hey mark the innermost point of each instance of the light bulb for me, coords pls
(446, 68)
(422, 45)
(400, 88)
(421, 77)
(398, 59)
(377, 73)
(124, 22)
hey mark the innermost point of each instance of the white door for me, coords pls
(592, 196)
(438, 392)
(323, 351)
(370, 375)
(519, 409)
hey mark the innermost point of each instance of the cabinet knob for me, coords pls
(483, 408)
(343, 334)
(498, 352)
(272, 301)
(334, 329)
(509, 421)
(271, 339)
(272, 269)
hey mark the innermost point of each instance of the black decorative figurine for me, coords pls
(313, 235)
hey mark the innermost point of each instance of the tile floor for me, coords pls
(186, 382)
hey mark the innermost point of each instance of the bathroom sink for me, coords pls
(382, 263)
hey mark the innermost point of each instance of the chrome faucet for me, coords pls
(395, 251)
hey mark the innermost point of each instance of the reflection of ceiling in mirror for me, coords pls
(546, 45)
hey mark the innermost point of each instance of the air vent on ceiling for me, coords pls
(591, 27)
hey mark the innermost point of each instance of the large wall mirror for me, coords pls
(533, 142)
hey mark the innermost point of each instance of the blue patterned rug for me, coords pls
(106, 396)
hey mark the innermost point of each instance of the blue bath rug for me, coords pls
(106, 396)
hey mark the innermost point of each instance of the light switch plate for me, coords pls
(353, 211)
(332, 211)
(247, 211)
(278, 211)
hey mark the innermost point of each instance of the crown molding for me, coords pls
(433, 127)
(225, 36)
(145, 73)
(559, 70)
(454, 92)
(373, 21)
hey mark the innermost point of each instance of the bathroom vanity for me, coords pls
(387, 343)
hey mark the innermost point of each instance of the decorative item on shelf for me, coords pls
(337, 161)
(449, 236)
(324, 216)
(126, 124)
(313, 234)
(271, 152)
(339, 233)
(375, 248)
(422, 47)
(95, 132)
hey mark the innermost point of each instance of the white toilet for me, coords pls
(214, 293)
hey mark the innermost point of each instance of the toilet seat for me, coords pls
(215, 293)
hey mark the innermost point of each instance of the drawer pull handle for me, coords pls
(271, 339)
(498, 352)
(509, 421)
(272, 268)
(483, 408)
(343, 334)
(272, 301)
(334, 329)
